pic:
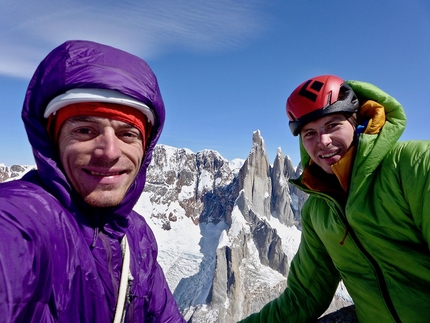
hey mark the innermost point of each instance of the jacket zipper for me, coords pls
(349, 230)
(376, 267)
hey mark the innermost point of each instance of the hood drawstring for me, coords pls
(95, 237)
(344, 237)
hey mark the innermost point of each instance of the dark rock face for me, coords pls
(201, 183)
(269, 245)
(343, 315)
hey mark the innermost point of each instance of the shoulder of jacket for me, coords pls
(410, 152)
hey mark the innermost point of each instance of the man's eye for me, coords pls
(129, 135)
(332, 125)
(308, 134)
(83, 131)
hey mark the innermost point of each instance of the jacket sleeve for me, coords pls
(24, 263)
(312, 282)
(415, 179)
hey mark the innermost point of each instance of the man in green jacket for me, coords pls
(367, 219)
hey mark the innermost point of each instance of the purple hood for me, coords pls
(84, 64)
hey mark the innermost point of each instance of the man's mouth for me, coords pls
(329, 155)
(103, 174)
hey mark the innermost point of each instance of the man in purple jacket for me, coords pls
(71, 247)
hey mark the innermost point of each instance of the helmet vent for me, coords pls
(328, 100)
(343, 93)
(315, 86)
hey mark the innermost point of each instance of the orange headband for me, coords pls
(98, 109)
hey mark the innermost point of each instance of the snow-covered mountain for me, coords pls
(13, 172)
(226, 230)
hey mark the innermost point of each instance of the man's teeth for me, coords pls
(329, 155)
(103, 174)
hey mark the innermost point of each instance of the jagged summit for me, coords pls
(258, 143)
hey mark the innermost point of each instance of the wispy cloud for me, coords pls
(29, 30)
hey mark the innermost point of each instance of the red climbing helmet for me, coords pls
(317, 97)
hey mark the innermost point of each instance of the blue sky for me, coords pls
(225, 67)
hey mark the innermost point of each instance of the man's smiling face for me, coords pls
(101, 158)
(327, 139)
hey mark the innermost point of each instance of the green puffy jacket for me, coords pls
(384, 261)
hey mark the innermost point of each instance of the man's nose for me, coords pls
(324, 139)
(108, 146)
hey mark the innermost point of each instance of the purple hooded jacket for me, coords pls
(60, 260)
